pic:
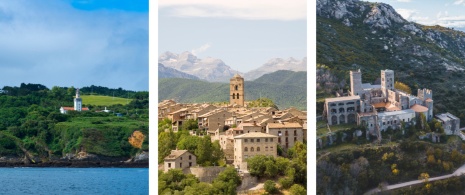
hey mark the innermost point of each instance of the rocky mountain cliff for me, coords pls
(353, 34)
(215, 70)
(209, 69)
(166, 72)
(276, 64)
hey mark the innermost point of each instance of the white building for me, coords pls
(77, 104)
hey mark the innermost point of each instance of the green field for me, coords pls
(100, 100)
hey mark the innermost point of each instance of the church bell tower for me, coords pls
(236, 90)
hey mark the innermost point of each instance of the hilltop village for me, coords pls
(242, 132)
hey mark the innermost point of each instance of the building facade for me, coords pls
(179, 159)
(288, 133)
(251, 144)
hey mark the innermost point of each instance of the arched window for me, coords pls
(234, 96)
(245, 149)
(251, 149)
(235, 88)
(258, 149)
(237, 94)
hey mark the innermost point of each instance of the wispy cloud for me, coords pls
(459, 2)
(407, 14)
(241, 9)
(51, 43)
(200, 49)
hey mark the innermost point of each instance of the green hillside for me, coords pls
(100, 100)
(278, 86)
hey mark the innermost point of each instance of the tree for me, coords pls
(297, 189)
(166, 143)
(270, 187)
(227, 181)
(403, 87)
(424, 177)
(190, 124)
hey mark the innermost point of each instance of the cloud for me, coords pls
(200, 49)
(459, 2)
(407, 13)
(52, 43)
(241, 9)
(452, 21)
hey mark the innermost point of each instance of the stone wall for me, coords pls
(205, 174)
(248, 181)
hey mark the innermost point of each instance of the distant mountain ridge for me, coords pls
(276, 64)
(215, 70)
(285, 88)
(166, 72)
(354, 34)
(209, 69)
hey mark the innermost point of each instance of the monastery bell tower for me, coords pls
(77, 101)
(236, 90)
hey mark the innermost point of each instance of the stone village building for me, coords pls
(287, 133)
(179, 159)
(251, 144)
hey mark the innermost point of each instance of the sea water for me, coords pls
(74, 180)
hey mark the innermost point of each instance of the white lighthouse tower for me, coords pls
(77, 101)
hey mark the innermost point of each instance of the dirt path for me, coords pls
(458, 172)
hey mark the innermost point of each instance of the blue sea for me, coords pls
(74, 180)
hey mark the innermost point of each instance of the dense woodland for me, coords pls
(33, 125)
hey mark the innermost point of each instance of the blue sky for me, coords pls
(244, 34)
(74, 43)
(448, 13)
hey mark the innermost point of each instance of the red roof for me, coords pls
(72, 108)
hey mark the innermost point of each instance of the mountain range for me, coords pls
(166, 72)
(215, 70)
(354, 34)
(285, 88)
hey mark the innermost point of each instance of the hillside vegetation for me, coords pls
(32, 125)
(100, 100)
(284, 88)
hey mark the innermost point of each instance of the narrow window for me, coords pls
(169, 165)
(251, 149)
(258, 149)
(245, 149)
(180, 165)
(190, 164)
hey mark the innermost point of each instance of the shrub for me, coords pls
(270, 187)
(297, 189)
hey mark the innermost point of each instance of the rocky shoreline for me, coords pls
(80, 160)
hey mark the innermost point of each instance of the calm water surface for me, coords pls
(74, 180)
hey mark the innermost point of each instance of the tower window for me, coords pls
(237, 94)
(234, 96)
(235, 88)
